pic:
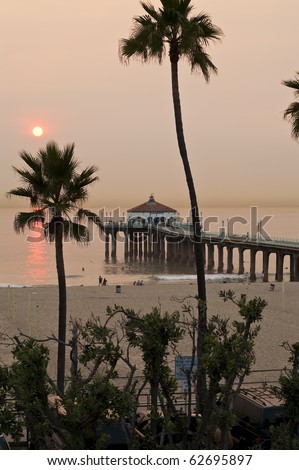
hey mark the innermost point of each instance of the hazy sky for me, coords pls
(60, 69)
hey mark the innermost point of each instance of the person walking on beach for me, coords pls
(100, 280)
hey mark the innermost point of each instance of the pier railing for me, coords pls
(186, 230)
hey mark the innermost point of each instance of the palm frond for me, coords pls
(174, 13)
(64, 207)
(59, 165)
(131, 47)
(294, 84)
(26, 220)
(182, 6)
(28, 193)
(77, 232)
(31, 162)
(83, 214)
(204, 29)
(86, 177)
(21, 192)
(49, 158)
(72, 229)
(76, 190)
(171, 24)
(146, 42)
(69, 163)
(200, 60)
(33, 179)
(292, 115)
(150, 10)
(74, 194)
(146, 39)
(53, 183)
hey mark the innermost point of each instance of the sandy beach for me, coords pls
(33, 310)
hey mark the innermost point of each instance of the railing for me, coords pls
(257, 378)
(180, 398)
(187, 230)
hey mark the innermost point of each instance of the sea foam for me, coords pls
(208, 277)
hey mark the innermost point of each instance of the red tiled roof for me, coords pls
(151, 206)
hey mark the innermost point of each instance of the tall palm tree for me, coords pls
(55, 188)
(172, 29)
(292, 112)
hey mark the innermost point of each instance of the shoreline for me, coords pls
(33, 311)
(163, 279)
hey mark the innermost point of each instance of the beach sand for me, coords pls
(33, 311)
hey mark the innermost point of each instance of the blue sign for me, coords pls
(183, 366)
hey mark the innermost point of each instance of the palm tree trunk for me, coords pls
(61, 308)
(198, 247)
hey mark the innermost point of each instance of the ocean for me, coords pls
(28, 263)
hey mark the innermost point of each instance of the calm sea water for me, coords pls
(25, 262)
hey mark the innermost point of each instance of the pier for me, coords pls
(223, 253)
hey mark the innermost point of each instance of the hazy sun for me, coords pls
(37, 131)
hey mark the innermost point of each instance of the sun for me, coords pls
(37, 131)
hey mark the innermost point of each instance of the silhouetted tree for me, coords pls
(172, 29)
(55, 188)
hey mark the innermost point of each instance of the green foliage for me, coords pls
(9, 424)
(227, 359)
(282, 439)
(97, 343)
(288, 392)
(28, 386)
(91, 397)
(95, 402)
(152, 334)
(229, 347)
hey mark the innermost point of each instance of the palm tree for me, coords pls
(55, 189)
(292, 112)
(172, 29)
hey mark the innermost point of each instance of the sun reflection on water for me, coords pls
(38, 269)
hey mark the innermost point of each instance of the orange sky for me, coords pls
(60, 70)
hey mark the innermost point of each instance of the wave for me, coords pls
(15, 285)
(209, 277)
